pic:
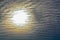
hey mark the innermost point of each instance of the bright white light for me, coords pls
(20, 17)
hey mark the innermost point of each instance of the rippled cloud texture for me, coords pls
(47, 20)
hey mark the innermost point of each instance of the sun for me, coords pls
(20, 17)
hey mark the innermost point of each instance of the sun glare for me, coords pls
(20, 17)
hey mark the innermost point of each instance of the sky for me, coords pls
(47, 16)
